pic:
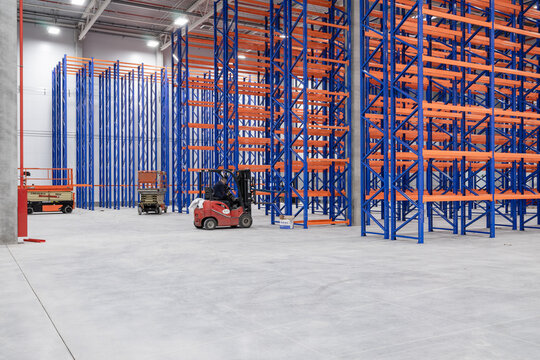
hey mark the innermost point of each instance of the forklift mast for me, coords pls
(243, 182)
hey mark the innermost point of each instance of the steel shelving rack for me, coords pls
(132, 102)
(193, 109)
(310, 79)
(274, 99)
(293, 128)
(449, 98)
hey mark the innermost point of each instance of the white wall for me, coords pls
(110, 47)
(41, 53)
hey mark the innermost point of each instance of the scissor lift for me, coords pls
(49, 190)
(152, 186)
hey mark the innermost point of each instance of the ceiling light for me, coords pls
(77, 2)
(181, 21)
(152, 43)
(53, 30)
(175, 57)
(241, 56)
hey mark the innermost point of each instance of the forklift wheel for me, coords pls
(30, 211)
(67, 210)
(140, 210)
(158, 210)
(245, 220)
(210, 224)
(165, 210)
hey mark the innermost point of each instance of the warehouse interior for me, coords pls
(270, 179)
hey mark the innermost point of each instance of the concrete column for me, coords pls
(355, 121)
(8, 121)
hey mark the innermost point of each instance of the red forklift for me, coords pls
(211, 213)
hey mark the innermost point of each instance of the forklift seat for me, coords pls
(208, 193)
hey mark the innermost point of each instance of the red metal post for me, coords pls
(22, 208)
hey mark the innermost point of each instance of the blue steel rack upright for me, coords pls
(165, 129)
(175, 122)
(183, 112)
(59, 121)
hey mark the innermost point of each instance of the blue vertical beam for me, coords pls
(463, 102)
(363, 175)
(116, 152)
(140, 117)
(389, 202)
(123, 142)
(267, 107)
(340, 111)
(53, 123)
(184, 113)
(219, 98)
(155, 122)
(333, 113)
(131, 128)
(78, 136)
(287, 121)
(55, 142)
(78, 142)
(101, 161)
(420, 101)
(349, 186)
(84, 136)
(59, 100)
(91, 134)
(491, 142)
(151, 119)
(108, 140)
(175, 96)
(64, 120)
(276, 106)
(226, 93)
(147, 119)
(304, 196)
(150, 128)
(165, 130)
(232, 119)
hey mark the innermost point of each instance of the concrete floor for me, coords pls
(115, 285)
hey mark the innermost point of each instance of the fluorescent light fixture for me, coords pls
(175, 57)
(77, 2)
(181, 21)
(152, 43)
(241, 56)
(282, 36)
(53, 30)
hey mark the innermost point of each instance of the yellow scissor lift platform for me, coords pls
(152, 186)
